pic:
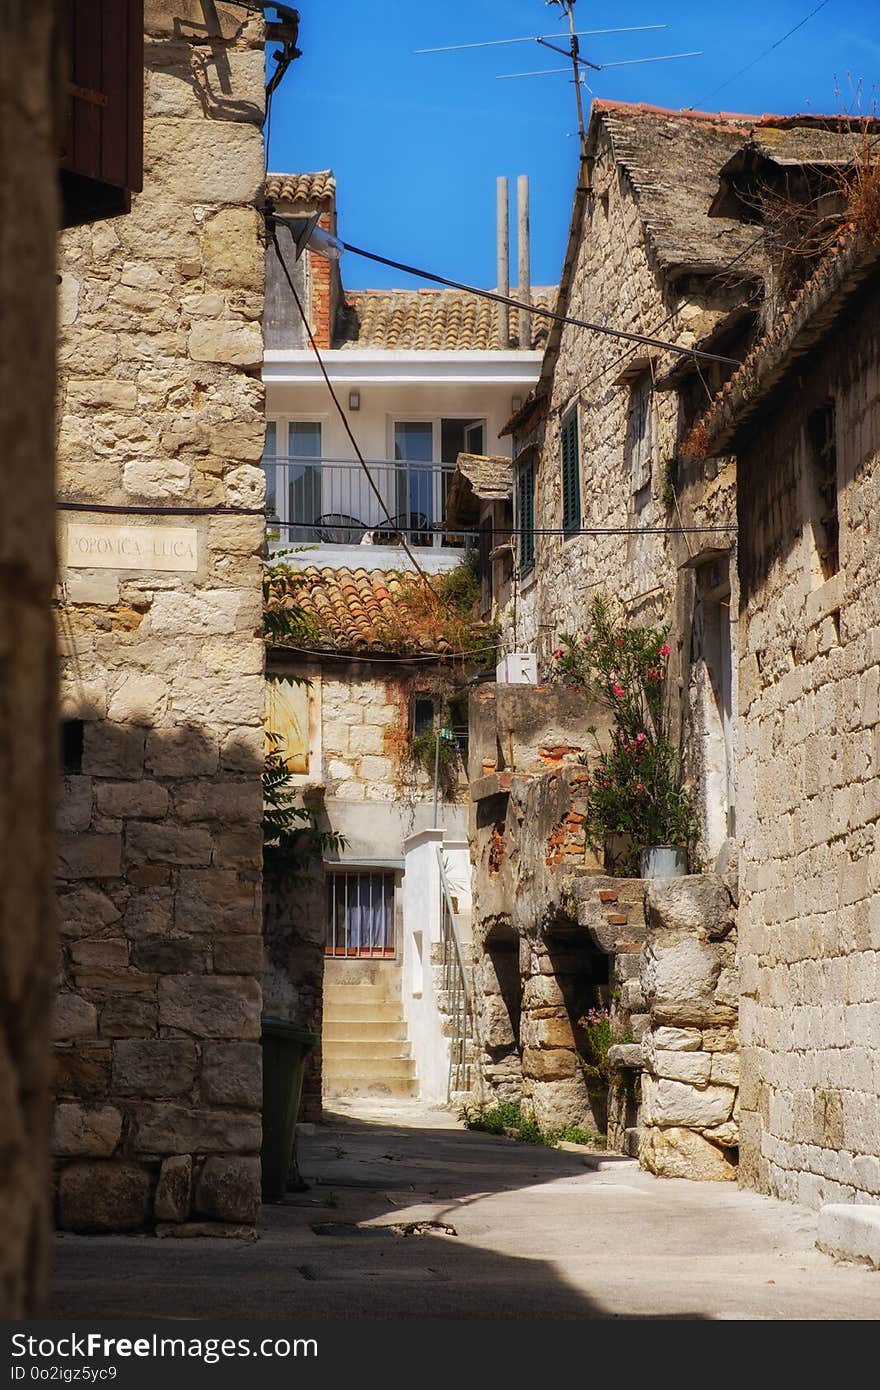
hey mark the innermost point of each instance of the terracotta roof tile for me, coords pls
(319, 187)
(362, 610)
(432, 320)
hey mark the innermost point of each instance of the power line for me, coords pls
(537, 310)
(760, 57)
(512, 531)
(342, 415)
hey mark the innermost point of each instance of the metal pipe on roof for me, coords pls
(503, 258)
(524, 289)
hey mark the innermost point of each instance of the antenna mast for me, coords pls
(568, 11)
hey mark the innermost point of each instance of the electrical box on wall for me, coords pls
(517, 668)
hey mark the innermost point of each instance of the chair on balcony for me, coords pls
(413, 526)
(335, 528)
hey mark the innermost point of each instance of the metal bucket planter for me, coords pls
(663, 861)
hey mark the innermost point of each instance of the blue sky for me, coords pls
(416, 142)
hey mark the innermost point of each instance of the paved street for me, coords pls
(538, 1234)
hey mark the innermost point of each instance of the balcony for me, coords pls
(330, 502)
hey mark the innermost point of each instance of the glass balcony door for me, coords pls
(292, 464)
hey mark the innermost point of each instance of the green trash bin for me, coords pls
(285, 1045)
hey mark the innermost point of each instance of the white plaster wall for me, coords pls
(421, 931)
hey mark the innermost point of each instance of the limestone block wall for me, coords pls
(28, 715)
(616, 280)
(810, 790)
(690, 1049)
(157, 1020)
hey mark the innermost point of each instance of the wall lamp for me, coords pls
(308, 236)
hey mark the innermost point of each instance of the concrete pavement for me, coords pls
(539, 1234)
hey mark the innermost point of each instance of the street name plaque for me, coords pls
(97, 545)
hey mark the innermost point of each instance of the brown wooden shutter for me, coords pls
(102, 140)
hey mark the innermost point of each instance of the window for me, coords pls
(639, 431)
(102, 118)
(525, 516)
(360, 914)
(292, 464)
(423, 715)
(428, 449)
(822, 443)
(571, 480)
(288, 722)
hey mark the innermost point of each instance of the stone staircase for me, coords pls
(365, 1047)
(450, 1024)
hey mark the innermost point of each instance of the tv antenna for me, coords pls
(579, 64)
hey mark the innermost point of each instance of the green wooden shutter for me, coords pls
(526, 519)
(571, 483)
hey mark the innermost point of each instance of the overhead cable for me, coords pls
(542, 312)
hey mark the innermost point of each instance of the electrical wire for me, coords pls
(541, 312)
(699, 104)
(535, 531)
(341, 412)
(719, 275)
(117, 510)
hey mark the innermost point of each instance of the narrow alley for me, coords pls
(538, 1233)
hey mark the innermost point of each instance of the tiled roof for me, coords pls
(672, 159)
(362, 610)
(432, 320)
(816, 307)
(319, 187)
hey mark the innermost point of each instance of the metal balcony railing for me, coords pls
(326, 501)
(456, 991)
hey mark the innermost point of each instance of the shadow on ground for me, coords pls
(331, 1252)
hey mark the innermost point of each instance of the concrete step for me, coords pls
(363, 994)
(356, 1048)
(394, 1087)
(368, 1068)
(364, 1029)
(361, 1011)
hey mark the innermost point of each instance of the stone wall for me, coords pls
(294, 912)
(810, 789)
(616, 280)
(157, 1020)
(28, 716)
(690, 1051)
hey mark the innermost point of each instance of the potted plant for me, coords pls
(635, 796)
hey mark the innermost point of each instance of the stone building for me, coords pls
(160, 433)
(802, 418)
(669, 239)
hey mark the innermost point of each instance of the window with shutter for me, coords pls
(525, 521)
(101, 155)
(640, 432)
(571, 479)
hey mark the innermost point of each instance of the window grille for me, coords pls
(360, 914)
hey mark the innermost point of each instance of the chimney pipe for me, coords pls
(524, 289)
(503, 259)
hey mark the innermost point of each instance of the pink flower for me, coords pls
(639, 787)
(664, 650)
(618, 692)
(557, 655)
(640, 738)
